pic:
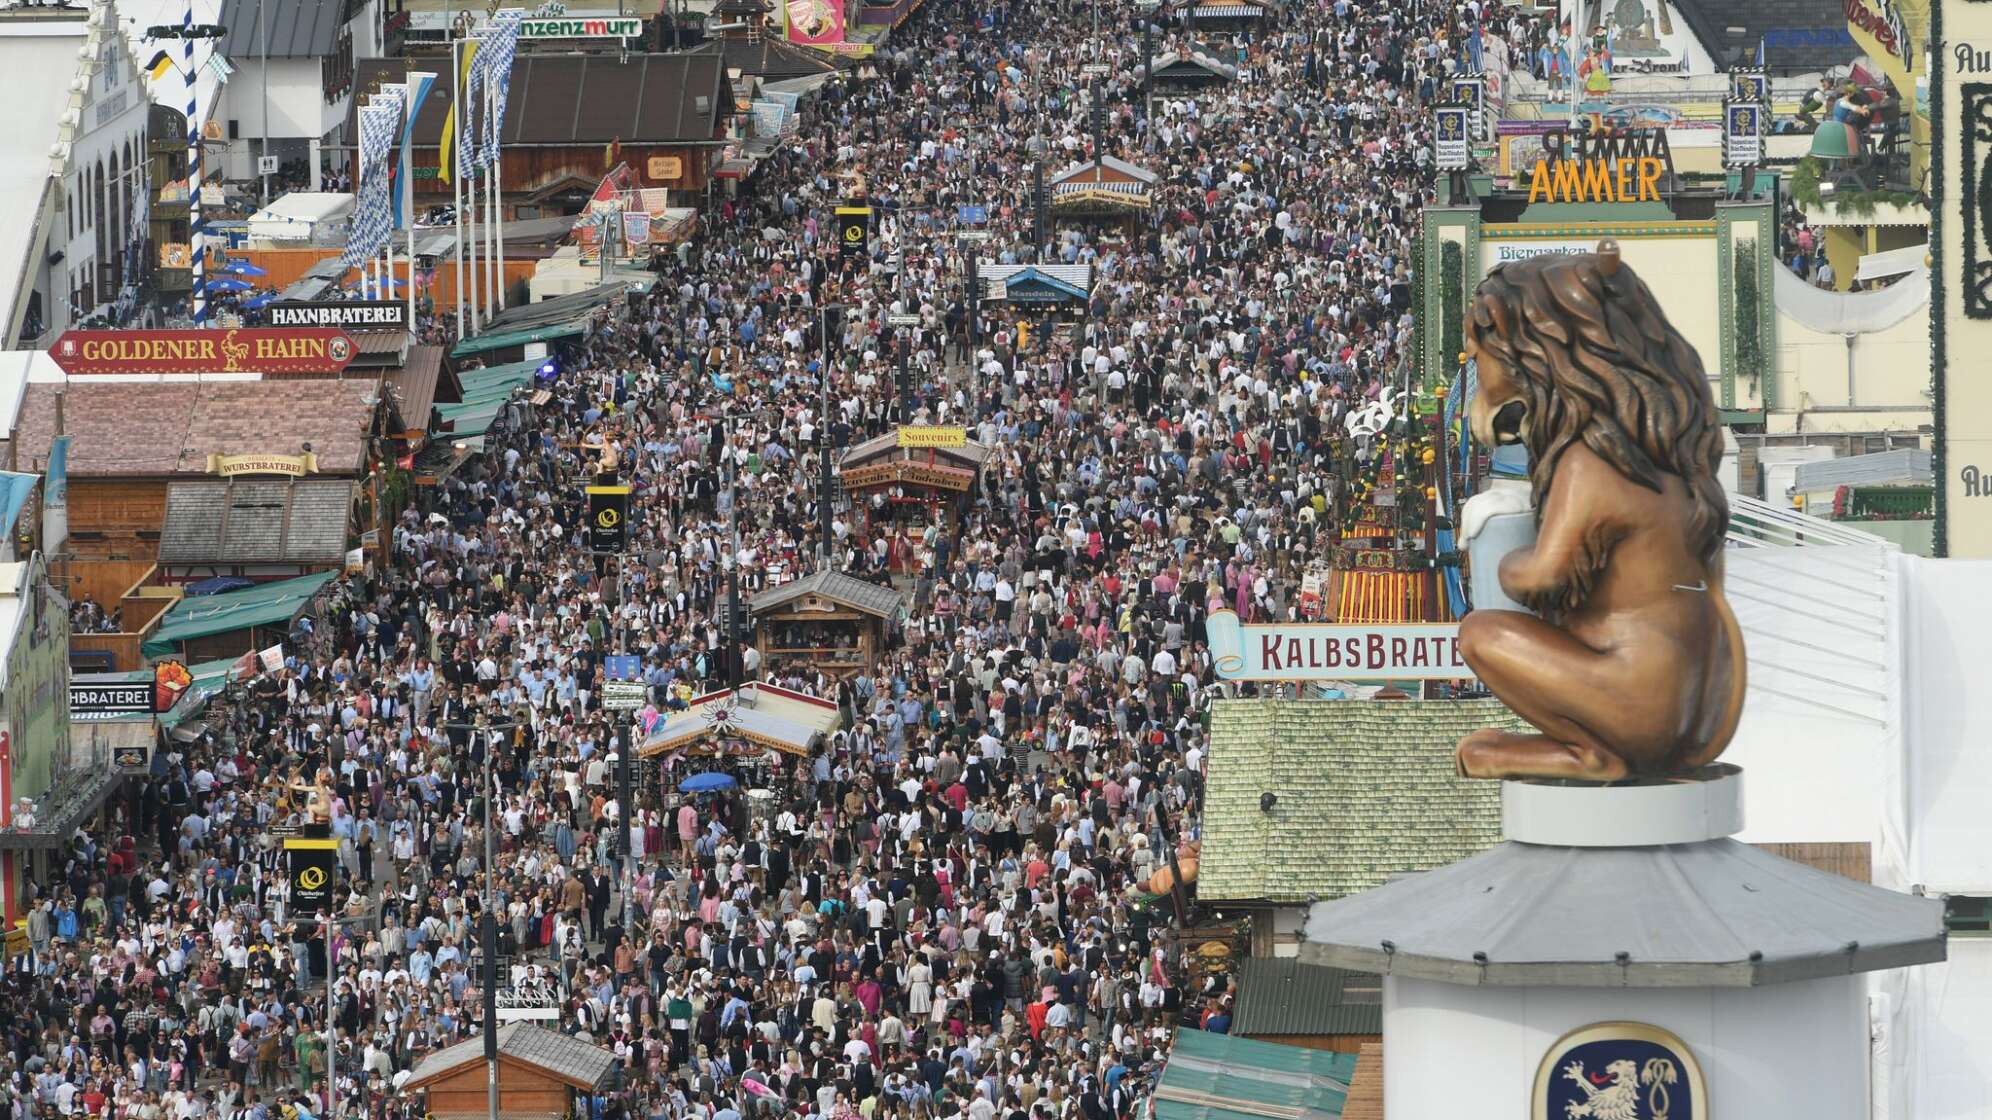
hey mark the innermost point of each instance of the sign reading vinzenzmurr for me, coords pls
(1961, 225)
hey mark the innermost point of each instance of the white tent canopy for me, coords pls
(1893, 262)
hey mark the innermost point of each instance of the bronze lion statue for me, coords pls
(1632, 664)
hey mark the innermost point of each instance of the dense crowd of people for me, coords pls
(945, 910)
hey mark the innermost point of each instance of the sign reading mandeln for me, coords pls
(1334, 652)
(607, 27)
(624, 696)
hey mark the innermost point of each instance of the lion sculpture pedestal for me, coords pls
(1620, 957)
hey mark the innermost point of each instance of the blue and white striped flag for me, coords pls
(496, 58)
(380, 122)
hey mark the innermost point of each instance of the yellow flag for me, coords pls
(446, 152)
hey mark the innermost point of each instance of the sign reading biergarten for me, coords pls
(236, 350)
(1333, 651)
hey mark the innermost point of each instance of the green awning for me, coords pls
(470, 420)
(266, 604)
(1219, 1077)
(487, 342)
(495, 382)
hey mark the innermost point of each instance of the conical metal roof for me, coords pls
(1717, 913)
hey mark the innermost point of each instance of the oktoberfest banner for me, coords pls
(1452, 125)
(608, 518)
(854, 229)
(312, 869)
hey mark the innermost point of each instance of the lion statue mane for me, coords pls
(1632, 663)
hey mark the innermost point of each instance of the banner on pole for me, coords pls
(312, 865)
(608, 518)
(854, 229)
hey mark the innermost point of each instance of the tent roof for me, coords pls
(1280, 995)
(582, 1065)
(1224, 1077)
(848, 590)
(266, 604)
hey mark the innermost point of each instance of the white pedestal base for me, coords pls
(1783, 1052)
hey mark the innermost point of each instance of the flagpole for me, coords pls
(197, 263)
(497, 295)
(456, 174)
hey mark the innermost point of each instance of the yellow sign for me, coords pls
(932, 437)
(311, 878)
(608, 518)
(667, 167)
(1597, 180)
(295, 466)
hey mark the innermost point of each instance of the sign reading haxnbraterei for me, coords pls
(368, 314)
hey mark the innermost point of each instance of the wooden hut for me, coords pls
(827, 620)
(1103, 189)
(540, 1072)
(904, 482)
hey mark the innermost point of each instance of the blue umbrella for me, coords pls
(260, 302)
(244, 268)
(706, 783)
(228, 284)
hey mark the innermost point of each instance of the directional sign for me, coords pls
(606, 27)
(902, 320)
(624, 696)
(972, 215)
(973, 235)
(1095, 69)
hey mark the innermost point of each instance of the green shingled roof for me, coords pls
(1366, 790)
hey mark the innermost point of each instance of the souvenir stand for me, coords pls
(825, 621)
(906, 480)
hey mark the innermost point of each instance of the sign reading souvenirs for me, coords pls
(311, 863)
(854, 228)
(932, 436)
(290, 466)
(1619, 1071)
(237, 350)
(1602, 167)
(1334, 652)
(917, 474)
(100, 700)
(362, 314)
(606, 27)
(608, 518)
(1449, 136)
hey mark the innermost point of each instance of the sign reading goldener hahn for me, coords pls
(236, 350)
(1334, 652)
(368, 314)
(606, 27)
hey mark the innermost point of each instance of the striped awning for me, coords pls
(1087, 186)
(1229, 11)
(1380, 597)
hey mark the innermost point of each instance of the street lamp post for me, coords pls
(488, 928)
(827, 484)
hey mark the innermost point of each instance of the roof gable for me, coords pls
(849, 591)
(644, 99)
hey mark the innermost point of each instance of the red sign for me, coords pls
(237, 350)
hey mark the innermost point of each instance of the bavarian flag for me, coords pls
(161, 62)
(446, 153)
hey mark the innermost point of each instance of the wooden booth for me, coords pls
(825, 620)
(540, 1073)
(1104, 191)
(909, 479)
